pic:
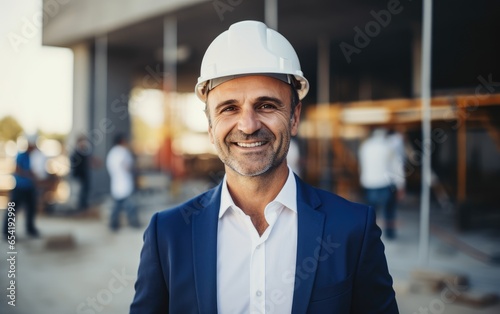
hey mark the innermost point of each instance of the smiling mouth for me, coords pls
(254, 144)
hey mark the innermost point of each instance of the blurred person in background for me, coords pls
(24, 195)
(381, 175)
(46, 183)
(396, 139)
(81, 162)
(293, 157)
(263, 240)
(121, 168)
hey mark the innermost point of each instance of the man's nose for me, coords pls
(248, 121)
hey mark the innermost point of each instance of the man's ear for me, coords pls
(294, 121)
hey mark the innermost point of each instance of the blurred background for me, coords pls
(92, 69)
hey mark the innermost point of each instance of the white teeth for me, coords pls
(251, 144)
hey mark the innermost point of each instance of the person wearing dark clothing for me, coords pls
(81, 160)
(24, 193)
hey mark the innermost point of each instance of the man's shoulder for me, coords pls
(116, 154)
(342, 216)
(118, 150)
(112, 153)
(329, 201)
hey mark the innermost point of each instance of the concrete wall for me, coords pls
(110, 111)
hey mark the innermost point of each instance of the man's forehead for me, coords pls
(251, 85)
(217, 81)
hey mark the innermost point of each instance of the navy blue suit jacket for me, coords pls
(340, 265)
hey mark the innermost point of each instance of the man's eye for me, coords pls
(228, 109)
(267, 106)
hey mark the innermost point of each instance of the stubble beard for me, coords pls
(269, 161)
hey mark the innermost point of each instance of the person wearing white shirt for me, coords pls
(293, 157)
(382, 175)
(120, 166)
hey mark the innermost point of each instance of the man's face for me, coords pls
(252, 123)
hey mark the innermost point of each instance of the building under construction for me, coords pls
(363, 61)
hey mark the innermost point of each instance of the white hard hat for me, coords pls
(250, 47)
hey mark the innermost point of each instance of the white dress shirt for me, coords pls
(380, 163)
(256, 274)
(38, 164)
(120, 163)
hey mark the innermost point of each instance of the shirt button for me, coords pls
(257, 247)
(258, 293)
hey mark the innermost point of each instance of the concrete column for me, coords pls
(416, 56)
(170, 53)
(169, 88)
(323, 70)
(423, 247)
(365, 88)
(97, 134)
(81, 88)
(113, 73)
(323, 98)
(271, 14)
(100, 79)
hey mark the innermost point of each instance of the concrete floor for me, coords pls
(97, 275)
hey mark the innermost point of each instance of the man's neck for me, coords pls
(252, 194)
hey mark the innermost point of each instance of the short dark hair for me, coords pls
(295, 98)
(119, 138)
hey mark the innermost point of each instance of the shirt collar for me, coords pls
(287, 196)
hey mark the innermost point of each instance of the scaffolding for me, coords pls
(328, 128)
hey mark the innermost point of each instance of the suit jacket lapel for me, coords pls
(310, 229)
(205, 222)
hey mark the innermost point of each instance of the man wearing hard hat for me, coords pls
(262, 241)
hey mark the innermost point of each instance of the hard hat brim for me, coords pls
(204, 87)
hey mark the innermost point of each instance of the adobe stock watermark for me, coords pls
(223, 6)
(485, 88)
(323, 251)
(155, 77)
(104, 297)
(30, 27)
(119, 107)
(304, 270)
(450, 292)
(363, 37)
(415, 157)
(188, 212)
